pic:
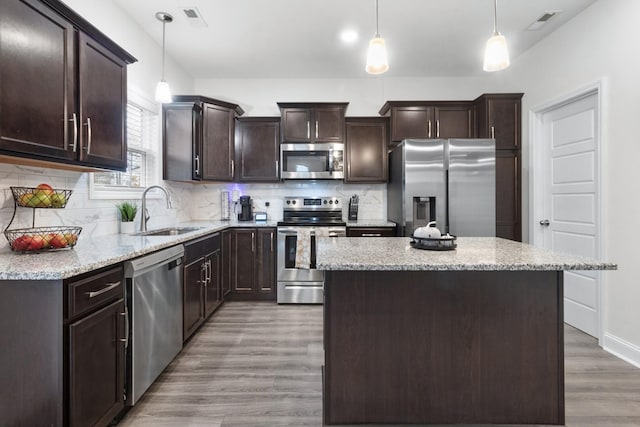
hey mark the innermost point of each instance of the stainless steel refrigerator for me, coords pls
(450, 181)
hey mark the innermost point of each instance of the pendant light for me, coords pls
(377, 54)
(496, 55)
(163, 92)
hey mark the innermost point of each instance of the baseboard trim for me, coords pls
(623, 349)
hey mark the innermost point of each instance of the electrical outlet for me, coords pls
(266, 204)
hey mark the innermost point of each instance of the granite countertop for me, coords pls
(371, 223)
(472, 253)
(91, 253)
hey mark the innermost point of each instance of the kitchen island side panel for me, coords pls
(443, 347)
(31, 352)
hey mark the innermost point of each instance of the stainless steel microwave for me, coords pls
(312, 161)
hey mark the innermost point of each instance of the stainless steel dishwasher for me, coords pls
(154, 302)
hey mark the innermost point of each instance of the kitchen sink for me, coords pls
(169, 231)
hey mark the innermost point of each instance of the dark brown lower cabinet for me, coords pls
(96, 367)
(226, 263)
(193, 308)
(253, 274)
(202, 292)
(95, 331)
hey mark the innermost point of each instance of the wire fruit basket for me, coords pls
(39, 239)
(29, 197)
(42, 238)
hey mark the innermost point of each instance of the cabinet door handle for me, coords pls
(197, 164)
(125, 340)
(277, 167)
(74, 120)
(438, 128)
(317, 129)
(88, 135)
(308, 129)
(271, 241)
(103, 290)
(233, 168)
(429, 129)
(515, 128)
(203, 274)
(515, 179)
(209, 268)
(493, 132)
(253, 242)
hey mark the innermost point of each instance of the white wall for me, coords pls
(258, 97)
(599, 44)
(122, 29)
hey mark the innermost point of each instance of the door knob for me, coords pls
(544, 222)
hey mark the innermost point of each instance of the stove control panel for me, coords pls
(312, 203)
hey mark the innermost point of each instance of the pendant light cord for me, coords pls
(495, 16)
(164, 25)
(377, 31)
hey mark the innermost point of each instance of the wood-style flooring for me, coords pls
(259, 364)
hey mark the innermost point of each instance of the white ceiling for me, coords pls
(300, 38)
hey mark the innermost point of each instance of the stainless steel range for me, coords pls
(319, 216)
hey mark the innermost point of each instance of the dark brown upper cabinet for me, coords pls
(198, 139)
(428, 119)
(63, 89)
(366, 149)
(257, 149)
(313, 122)
(498, 116)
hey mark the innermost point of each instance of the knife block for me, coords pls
(353, 211)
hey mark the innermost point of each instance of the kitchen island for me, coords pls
(470, 336)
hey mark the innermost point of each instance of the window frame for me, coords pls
(153, 161)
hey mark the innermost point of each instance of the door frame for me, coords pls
(539, 168)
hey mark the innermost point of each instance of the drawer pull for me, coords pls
(103, 290)
(371, 235)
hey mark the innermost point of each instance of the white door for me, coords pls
(570, 221)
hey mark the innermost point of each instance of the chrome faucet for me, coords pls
(145, 212)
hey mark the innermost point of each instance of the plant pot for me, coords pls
(126, 227)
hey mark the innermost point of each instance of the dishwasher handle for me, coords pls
(171, 256)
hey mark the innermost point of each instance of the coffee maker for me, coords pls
(245, 209)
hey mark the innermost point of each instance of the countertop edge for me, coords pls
(158, 244)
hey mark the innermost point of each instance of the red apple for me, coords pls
(28, 243)
(21, 243)
(45, 188)
(58, 241)
(37, 243)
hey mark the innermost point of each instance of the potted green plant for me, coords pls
(127, 215)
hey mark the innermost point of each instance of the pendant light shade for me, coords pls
(496, 54)
(377, 62)
(163, 91)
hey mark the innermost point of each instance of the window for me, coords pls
(143, 144)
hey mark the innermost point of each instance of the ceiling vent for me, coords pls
(543, 20)
(194, 18)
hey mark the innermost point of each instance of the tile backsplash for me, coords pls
(190, 201)
(96, 217)
(373, 201)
